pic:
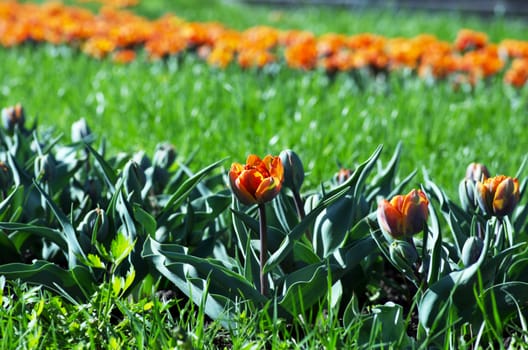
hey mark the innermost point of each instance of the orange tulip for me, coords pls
(498, 195)
(258, 181)
(403, 215)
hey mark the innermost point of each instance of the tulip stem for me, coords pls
(299, 206)
(264, 286)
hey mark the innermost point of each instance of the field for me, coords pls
(190, 221)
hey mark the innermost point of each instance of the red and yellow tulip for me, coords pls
(498, 195)
(258, 181)
(403, 215)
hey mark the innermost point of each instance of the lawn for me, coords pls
(215, 114)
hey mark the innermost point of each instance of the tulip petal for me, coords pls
(506, 197)
(390, 219)
(415, 211)
(242, 193)
(253, 161)
(268, 189)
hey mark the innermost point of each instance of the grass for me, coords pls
(232, 113)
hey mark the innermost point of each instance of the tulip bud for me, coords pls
(403, 253)
(471, 250)
(164, 156)
(135, 180)
(466, 192)
(342, 175)
(95, 221)
(404, 215)
(293, 169)
(80, 131)
(45, 167)
(258, 181)
(477, 172)
(13, 117)
(142, 160)
(6, 177)
(498, 195)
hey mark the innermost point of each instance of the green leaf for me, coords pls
(10, 201)
(183, 191)
(297, 232)
(304, 288)
(332, 224)
(95, 261)
(52, 235)
(224, 286)
(144, 218)
(74, 249)
(456, 287)
(108, 172)
(76, 284)
(121, 247)
(9, 251)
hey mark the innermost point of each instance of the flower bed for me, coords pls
(120, 35)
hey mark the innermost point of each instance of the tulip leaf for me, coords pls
(357, 175)
(52, 235)
(331, 226)
(383, 182)
(304, 288)
(506, 299)
(76, 284)
(172, 261)
(7, 203)
(288, 242)
(108, 172)
(184, 189)
(456, 288)
(74, 249)
(144, 218)
(9, 251)
(303, 252)
(401, 185)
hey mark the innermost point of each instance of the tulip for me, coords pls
(13, 117)
(342, 175)
(80, 131)
(498, 195)
(259, 181)
(293, 179)
(293, 169)
(477, 172)
(403, 215)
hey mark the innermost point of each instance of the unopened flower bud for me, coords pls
(466, 192)
(403, 253)
(164, 156)
(135, 180)
(6, 177)
(477, 172)
(293, 170)
(80, 131)
(142, 160)
(45, 167)
(95, 222)
(342, 175)
(471, 250)
(13, 117)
